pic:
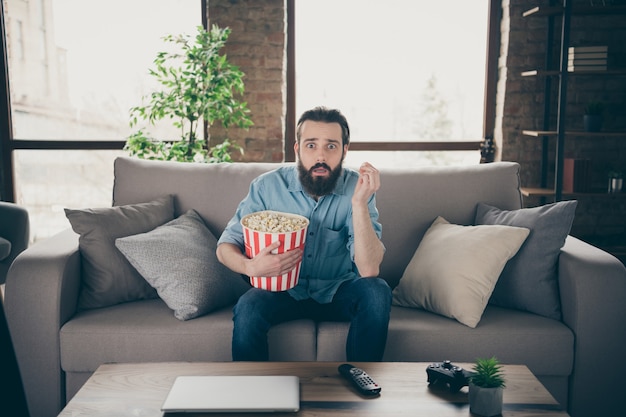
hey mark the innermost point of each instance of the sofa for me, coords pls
(14, 235)
(59, 344)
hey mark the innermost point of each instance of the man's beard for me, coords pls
(318, 186)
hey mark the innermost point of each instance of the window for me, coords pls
(76, 67)
(400, 71)
(90, 65)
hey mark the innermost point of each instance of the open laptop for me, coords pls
(223, 394)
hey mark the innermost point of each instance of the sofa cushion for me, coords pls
(107, 277)
(529, 280)
(147, 331)
(513, 336)
(455, 269)
(178, 259)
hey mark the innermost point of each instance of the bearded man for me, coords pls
(343, 251)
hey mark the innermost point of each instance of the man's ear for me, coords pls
(345, 151)
(295, 148)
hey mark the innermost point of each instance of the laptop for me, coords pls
(241, 394)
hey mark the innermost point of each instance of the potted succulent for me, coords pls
(198, 87)
(485, 387)
(592, 119)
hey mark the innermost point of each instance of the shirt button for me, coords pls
(311, 233)
(308, 256)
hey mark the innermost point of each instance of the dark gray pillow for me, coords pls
(529, 280)
(107, 277)
(179, 260)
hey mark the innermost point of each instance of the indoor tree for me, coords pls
(198, 87)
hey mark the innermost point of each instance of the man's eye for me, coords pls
(332, 146)
(310, 145)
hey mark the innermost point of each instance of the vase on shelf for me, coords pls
(615, 184)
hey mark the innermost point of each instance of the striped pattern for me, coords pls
(255, 241)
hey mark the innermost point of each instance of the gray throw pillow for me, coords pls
(107, 277)
(178, 259)
(529, 280)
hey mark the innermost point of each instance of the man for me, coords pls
(342, 255)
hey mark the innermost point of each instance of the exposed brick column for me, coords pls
(257, 46)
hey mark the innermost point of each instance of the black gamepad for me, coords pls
(446, 374)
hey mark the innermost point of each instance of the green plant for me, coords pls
(615, 174)
(488, 373)
(198, 88)
(594, 108)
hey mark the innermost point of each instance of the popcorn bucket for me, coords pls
(262, 228)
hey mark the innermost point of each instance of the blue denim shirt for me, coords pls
(328, 258)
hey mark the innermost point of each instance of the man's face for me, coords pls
(320, 156)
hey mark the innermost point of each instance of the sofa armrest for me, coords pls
(593, 293)
(41, 294)
(15, 232)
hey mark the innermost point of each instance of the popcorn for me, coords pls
(274, 222)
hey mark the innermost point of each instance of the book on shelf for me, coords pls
(584, 68)
(601, 55)
(588, 55)
(577, 49)
(576, 175)
(587, 62)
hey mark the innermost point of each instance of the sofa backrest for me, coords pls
(408, 201)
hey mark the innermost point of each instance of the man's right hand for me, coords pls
(267, 264)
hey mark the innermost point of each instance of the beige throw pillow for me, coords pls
(455, 269)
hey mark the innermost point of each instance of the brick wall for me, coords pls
(257, 45)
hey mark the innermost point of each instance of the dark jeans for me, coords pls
(364, 302)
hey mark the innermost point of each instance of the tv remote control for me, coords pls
(360, 379)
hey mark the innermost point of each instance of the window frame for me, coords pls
(489, 102)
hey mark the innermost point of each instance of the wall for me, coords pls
(258, 43)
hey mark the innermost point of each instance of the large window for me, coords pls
(76, 67)
(401, 70)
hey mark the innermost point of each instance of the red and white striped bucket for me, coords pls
(255, 241)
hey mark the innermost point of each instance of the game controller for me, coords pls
(446, 374)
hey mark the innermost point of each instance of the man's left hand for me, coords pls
(369, 183)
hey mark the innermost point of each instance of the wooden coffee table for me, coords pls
(139, 389)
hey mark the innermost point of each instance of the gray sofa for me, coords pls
(58, 347)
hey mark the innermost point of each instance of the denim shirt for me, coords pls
(328, 258)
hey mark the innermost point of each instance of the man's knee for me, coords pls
(375, 289)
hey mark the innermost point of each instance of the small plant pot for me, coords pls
(485, 402)
(592, 122)
(615, 185)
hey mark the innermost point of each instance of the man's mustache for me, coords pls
(319, 165)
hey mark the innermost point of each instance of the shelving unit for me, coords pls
(564, 12)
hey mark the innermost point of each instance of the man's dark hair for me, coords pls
(325, 115)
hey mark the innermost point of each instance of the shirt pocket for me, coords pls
(334, 243)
